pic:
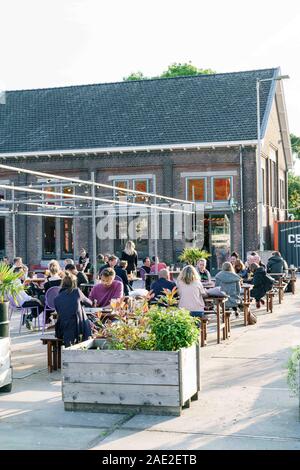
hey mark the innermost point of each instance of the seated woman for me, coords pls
(107, 289)
(72, 324)
(54, 279)
(22, 299)
(240, 269)
(191, 291)
(230, 282)
(262, 283)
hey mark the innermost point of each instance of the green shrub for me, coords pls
(293, 371)
(172, 328)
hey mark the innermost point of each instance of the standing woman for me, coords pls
(84, 260)
(72, 324)
(130, 255)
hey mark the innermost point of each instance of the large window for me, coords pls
(196, 189)
(222, 189)
(67, 237)
(63, 188)
(49, 237)
(273, 184)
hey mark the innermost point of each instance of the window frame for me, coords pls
(187, 179)
(223, 201)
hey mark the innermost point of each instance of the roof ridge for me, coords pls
(144, 80)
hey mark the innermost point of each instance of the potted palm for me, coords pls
(192, 255)
(8, 288)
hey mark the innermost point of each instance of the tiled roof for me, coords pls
(197, 109)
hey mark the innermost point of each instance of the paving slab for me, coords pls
(140, 440)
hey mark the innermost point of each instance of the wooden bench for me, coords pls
(53, 352)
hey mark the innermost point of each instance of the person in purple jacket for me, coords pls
(109, 288)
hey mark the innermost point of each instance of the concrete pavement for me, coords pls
(244, 402)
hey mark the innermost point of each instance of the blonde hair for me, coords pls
(69, 281)
(129, 248)
(54, 267)
(227, 266)
(188, 275)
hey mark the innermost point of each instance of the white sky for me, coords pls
(49, 43)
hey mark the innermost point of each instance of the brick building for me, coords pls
(186, 137)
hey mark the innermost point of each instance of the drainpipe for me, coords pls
(242, 201)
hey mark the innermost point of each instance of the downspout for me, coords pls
(242, 201)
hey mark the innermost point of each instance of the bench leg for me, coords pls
(49, 357)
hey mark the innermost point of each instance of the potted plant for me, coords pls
(8, 287)
(293, 378)
(192, 255)
(149, 362)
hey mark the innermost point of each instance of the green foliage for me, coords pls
(293, 371)
(185, 69)
(173, 328)
(295, 143)
(192, 255)
(8, 285)
(173, 70)
(154, 329)
(135, 76)
(294, 195)
(169, 297)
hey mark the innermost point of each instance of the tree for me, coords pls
(295, 143)
(135, 76)
(186, 69)
(173, 70)
(294, 195)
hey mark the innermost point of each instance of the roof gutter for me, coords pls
(141, 148)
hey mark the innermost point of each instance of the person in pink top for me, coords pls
(191, 291)
(108, 289)
(160, 266)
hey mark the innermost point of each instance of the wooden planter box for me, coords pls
(5, 365)
(155, 382)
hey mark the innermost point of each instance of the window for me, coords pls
(2, 236)
(263, 186)
(196, 189)
(282, 194)
(273, 184)
(221, 189)
(67, 237)
(49, 237)
(136, 183)
(141, 185)
(122, 185)
(67, 201)
(56, 187)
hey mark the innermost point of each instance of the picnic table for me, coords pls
(223, 320)
(53, 351)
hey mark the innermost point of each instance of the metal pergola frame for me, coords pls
(60, 211)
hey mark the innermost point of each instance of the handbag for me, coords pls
(252, 318)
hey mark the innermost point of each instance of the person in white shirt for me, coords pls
(19, 266)
(22, 299)
(191, 291)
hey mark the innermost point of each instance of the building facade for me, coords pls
(192, 138)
